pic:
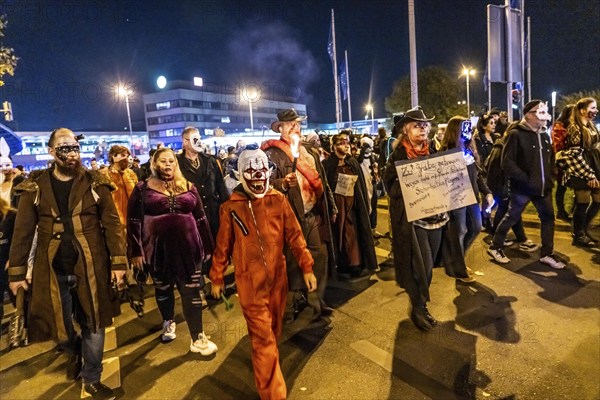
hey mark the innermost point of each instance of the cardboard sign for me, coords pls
(435, 184)
(345, 185)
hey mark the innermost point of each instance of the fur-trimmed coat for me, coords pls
(98, 238)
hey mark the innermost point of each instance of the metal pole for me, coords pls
(129, 119)
(529, 59)
(414, 85)
(372, 120)
(468, 99)
(338, 110)
(348, 86)
(508, 60)
(251, 122)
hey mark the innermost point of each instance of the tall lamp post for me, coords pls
(467, 72)
(123, 91)
(251, 94)
(369, 107)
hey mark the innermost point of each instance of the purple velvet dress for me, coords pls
(172, 232)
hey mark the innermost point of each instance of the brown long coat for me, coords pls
(98, 238)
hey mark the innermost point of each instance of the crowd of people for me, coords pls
(290, 216)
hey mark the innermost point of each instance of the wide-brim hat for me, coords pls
(414, 114)
(289, 115)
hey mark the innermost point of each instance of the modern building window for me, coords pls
(165, 105)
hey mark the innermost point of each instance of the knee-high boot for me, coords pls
(590, 214)
(579, 219)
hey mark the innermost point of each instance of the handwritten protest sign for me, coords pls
(435, 184)
(345, 184)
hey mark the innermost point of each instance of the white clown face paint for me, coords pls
(196, 142)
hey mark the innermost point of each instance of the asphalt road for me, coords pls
(521, 331)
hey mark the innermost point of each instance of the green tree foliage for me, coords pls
(8, 60)
(572, 98)
(439, 93)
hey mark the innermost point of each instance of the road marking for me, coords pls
(374, 353)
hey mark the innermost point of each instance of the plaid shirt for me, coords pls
(571, 161)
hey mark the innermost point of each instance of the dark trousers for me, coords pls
(191, 301)
(430, 241)
(90, 345)
(545, 210)
(517, 228)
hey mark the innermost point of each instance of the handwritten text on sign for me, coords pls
(435, 184)
(345, 184)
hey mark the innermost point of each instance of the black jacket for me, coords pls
(527, 160)
(208, 179)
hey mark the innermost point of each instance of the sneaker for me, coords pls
(498, 255)
(583, 241)
(508, 243)
(98, 391)
(168, 331)
(553, 262)
(528, 246)
(203, 346)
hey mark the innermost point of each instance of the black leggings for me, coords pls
(191, 301)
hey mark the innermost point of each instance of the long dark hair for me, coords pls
(576, 121)
(565, 115)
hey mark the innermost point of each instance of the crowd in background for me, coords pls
(168, 209)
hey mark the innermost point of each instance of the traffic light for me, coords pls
(516, 96)
(7, 109)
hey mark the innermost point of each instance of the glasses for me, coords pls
(542, 112)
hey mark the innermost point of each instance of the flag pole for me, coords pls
(414, 86)
(348, 87)
(528, 59)
(508, 61)
(335, 77)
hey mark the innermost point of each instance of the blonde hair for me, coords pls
(180, 183)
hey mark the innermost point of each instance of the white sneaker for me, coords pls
(553, 262)
(168, 332)
(498, 255)
(203, 346)
(528, 246)
(508, 242)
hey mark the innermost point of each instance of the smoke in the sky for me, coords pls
(270, 55)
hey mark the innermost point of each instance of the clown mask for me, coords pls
(253, 169)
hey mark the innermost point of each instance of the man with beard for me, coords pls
(123, 177)
(203, 171)
(303, 182)
(80, 247)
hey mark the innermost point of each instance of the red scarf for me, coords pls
(309, 173)
(411, 152)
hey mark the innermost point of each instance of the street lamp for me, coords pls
(123, 91)
(467, 72)
(251, 94)
(369, 107)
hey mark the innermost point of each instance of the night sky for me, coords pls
(73, 52)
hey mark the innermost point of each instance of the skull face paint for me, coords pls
(196, 142)
(253, 168)
(62, 152)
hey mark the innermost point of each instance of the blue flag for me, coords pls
(515, 4)
(344, 80)
(330, 45)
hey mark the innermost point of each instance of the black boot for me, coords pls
(579, 216)
(590, 214)
(418, 316)
(430, 318)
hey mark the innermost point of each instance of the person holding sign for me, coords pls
(417, 244)
(346, 179)
(458, 135)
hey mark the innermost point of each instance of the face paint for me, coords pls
(253, 168)
(592, 111)
(542, 112)
(466, 131)
(62, 152)
(124, 163)
(196, 142)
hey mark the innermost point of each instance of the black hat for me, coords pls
(414, 114)
(531, 105)
(289, 115)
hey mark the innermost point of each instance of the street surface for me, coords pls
(522, 331)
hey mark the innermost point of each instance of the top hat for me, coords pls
(289, 115)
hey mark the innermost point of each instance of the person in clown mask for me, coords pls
(255, 224)
(123, 177)
(527, 162)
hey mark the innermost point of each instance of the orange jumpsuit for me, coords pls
(254, 233)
